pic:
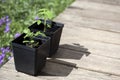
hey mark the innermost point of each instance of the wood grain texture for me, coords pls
(89, 47)
(93, 15)
(91, 22)
(91, 34)
(110, 2)
(54, 71)
(90, 61)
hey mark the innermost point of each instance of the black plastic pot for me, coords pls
(54, 33)
(30, 60)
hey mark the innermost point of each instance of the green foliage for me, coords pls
(31, 41)
(24, 11)
(46, 15)
(22, 14)
(6, 39)
(6, 35)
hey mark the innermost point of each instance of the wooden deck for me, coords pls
(89, 47)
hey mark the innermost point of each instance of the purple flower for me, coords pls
(7, 29)
(17, 35)
(2, 58)
(2, 50)
(1, 61)
(8, 22)
(2, 21)
(7, 19)
(37, 18)
(5, 50)
(3, 55)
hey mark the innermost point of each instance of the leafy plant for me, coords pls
(21, 14)
(45, 14)
(5, 37)
(30, 35)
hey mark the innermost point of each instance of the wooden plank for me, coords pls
(110, 2)
(91, 17)
(8, 72)
(92, 13)
(84, 5)
(91, 61)
(67, 38)
(100, 25)
(89, 53)
(55, 71)
(90, 34)
(90, 46)
(99, 45)
(98, 42)
(90, 75)
(97, 23)
(90, 22)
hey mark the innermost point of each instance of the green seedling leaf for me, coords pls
(25, 36)
(49, 26)
(25, 41)
(26, 31)
(38, 22)
(47, 15)
(37, 33)
(35, 44)
(40, 33)
(32, 41)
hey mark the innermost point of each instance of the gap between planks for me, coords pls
(75, 74)
(89, 53)
(92, 62)
(86, 7)
(109, 2)
(77, 67)
(87, 22)
(19, 75)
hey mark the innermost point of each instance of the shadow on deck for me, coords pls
(64, 68)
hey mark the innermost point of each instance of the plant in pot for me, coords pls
(30, 51)
(49, 27)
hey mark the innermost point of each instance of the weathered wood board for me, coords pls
(110, 2)
(90, 61)
(89, 47)
(54, 71)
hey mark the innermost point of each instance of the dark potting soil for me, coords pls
(20, 39)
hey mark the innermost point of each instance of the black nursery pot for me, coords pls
(54, 33)
(30, 60)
